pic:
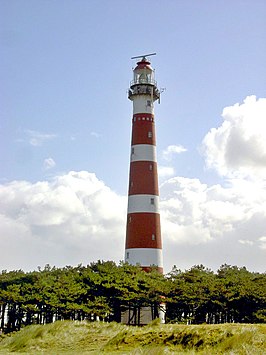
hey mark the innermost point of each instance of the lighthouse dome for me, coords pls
(144, 64)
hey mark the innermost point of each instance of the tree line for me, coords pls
(104, 290)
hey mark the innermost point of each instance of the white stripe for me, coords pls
(143, 203)
(144, 257)
(140, 104)
(143, 152)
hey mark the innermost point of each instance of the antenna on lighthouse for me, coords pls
(143, 56)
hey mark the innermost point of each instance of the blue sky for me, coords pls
(65, 71)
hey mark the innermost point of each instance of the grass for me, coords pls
(73, 338)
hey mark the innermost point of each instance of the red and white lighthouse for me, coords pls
(143, 235)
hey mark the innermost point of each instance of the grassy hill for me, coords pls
(70, 337)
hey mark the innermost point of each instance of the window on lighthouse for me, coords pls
(136, 78)
(153, 237)
(142, 78)
(149, 134)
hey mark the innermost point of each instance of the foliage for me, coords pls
(232, 295)
(104, 290)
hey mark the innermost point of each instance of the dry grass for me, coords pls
(100, 338)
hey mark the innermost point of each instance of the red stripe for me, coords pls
(143, 178)
(148, 269)
(140, 230)
(143, 132)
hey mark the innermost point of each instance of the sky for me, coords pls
(65, 122)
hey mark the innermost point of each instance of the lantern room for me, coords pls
(143, 82)
(143, 73)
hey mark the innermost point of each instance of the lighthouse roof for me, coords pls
(144, 63)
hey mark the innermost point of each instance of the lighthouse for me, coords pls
(143, 231)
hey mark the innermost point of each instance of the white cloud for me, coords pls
(48, 164)
(246, 242)
(238, 147)
(262, 241)
(75, 218)
(165, 171)
(71, 219)
(95, 134)
(171, 150)
(213, 224)
(181, 211)
(36, 138)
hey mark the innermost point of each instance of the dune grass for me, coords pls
(112, 338)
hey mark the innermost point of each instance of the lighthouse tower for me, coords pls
(143, 234)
